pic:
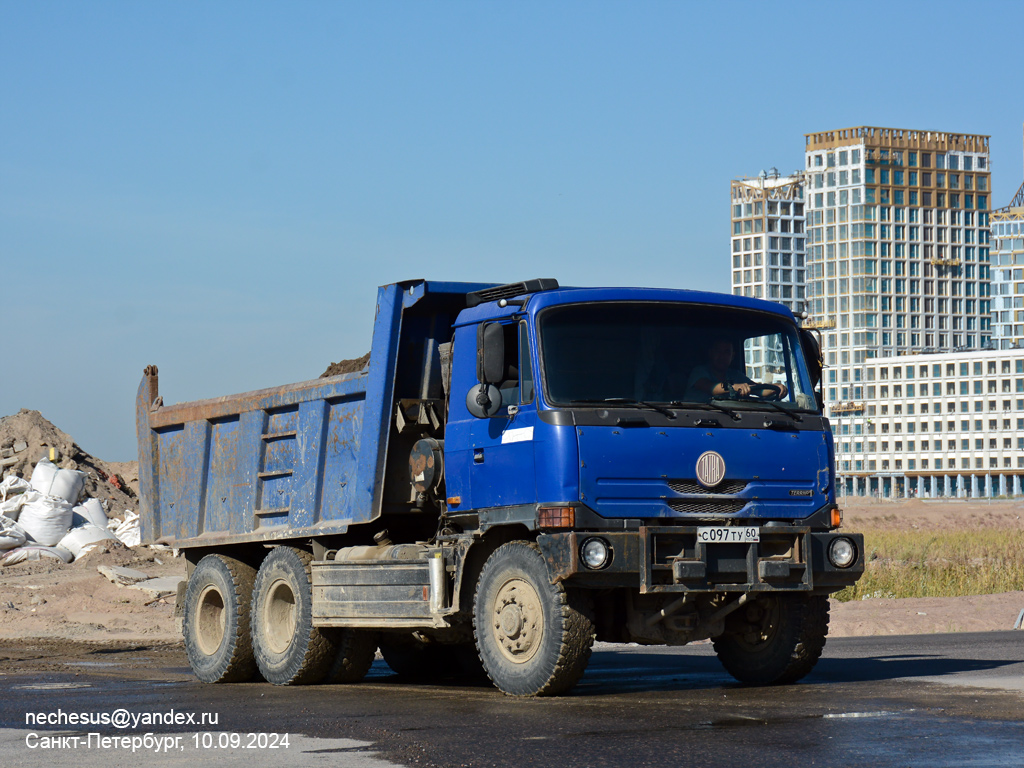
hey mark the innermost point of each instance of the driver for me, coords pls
(716, 377)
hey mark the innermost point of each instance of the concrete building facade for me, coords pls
(1008, 274)
(934, 425)
(768, 238)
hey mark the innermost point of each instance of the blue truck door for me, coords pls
(502, 471)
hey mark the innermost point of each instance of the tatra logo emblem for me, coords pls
(710, 469)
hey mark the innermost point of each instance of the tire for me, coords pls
(776, 640)
(354, 656)
(534, 637)
(421, 661)
(289, 650)
(217, 627)
(414, 659)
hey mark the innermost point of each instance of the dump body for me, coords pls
(296, 461)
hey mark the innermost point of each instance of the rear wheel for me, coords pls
(414, 658)
(775, 640)
(354, 654)
(217, 624)
(534, 637)
(289, 650)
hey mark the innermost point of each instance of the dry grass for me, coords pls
(939, 564)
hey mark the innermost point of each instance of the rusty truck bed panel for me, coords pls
(294, 461)
(259, 464)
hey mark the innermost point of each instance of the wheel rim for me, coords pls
(211, 620)
(517, 623)
(280, 617)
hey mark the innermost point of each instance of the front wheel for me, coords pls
(775, 640)
(534, 637)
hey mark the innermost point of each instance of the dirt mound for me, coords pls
(347, 366)
(28, 436)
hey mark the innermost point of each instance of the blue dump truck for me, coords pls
(519, 470)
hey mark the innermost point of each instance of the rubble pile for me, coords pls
(354, 365)
(56, 501)
(27, 436)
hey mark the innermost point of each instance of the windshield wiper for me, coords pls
(780, 409)
(625, 401)
(709, 406)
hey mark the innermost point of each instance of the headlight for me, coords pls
(841, 552)
(595, 554)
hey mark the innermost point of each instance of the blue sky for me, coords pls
(218, 188)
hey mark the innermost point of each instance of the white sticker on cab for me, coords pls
(520, 435)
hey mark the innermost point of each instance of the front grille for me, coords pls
(708, 507)
(726, 487)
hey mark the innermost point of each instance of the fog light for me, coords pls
(595, 554)
(842, 553)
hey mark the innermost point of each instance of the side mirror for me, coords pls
(812, 354)
(483, 400)
(490, 361)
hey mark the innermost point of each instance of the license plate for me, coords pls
(728, 534)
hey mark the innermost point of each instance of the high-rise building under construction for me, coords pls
(768, 240)
(1008, 274)
(897, 246)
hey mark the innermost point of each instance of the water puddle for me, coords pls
(51, 686)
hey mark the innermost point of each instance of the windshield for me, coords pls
(671, 353)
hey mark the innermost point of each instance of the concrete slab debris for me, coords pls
(122, 576)
(154, 588)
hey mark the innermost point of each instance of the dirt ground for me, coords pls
(74, 604)
(48, 599)
(926, 615)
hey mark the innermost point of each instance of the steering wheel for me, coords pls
(770, 393)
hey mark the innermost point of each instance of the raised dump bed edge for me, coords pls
(520, 469)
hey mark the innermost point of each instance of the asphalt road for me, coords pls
(928, 701)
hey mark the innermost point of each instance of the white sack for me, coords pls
(89, 512)
(43, 474)
(32, 552)
(50, 480)
(80, 541)
(12, 507)
(129, 531)
(12, 485)
(11, 534)
(45, 520)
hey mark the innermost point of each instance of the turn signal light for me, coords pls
(556, 517)
(837, 518)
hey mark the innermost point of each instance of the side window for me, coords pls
(525, 365)
(509, 384)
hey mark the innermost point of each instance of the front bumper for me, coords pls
(670, 559)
